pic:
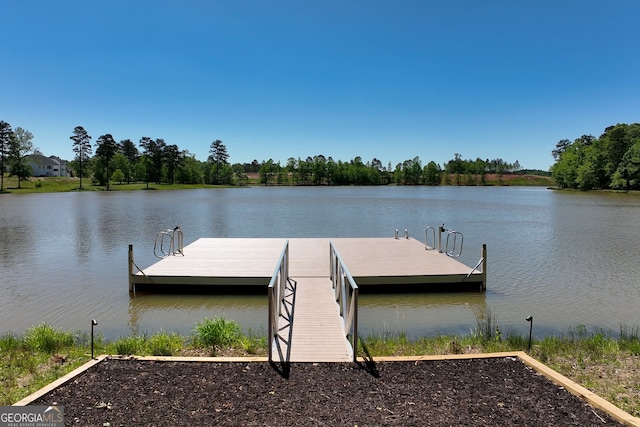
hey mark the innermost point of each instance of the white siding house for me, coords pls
(47, 166)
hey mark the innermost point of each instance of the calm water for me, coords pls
(568, 259)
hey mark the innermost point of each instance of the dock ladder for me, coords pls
(171, 237)
(451, 243)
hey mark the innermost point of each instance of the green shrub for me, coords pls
(129, 345)
(164, 344)
(487, 327)
(630, 340)
(48, 339)
(253, 344)
(9, 342)
(217, 332)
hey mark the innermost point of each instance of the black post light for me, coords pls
(530, 320)
(94, 322)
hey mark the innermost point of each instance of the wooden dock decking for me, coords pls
(316, 333)
(251, 261)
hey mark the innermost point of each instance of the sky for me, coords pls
(275, 79)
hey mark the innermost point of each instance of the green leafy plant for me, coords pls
(48, 339)
(164, 344)
(129, 345)
(217, 332)
(10, 342)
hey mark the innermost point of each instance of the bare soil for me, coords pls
(496, 392)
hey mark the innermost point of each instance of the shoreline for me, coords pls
(64, 184)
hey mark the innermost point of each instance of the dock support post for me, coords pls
(130, 268)
(484, 267)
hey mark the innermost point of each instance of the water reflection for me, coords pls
(152, 312)
(84, 216)
(565, 258)
(420, 314)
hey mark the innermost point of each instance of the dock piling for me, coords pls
(484, 267)
(130, 268)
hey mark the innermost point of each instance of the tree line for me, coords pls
(321, 170)
(154, 160)
(611, 161)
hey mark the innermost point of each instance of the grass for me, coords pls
(47, 339)
(217, 332)
(67, 184)
(606, 364)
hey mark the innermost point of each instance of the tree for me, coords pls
(82, 148)
(356, 171)
(627, 176)
(173, 157)
(6, 134)
(565, 170)
(148, 146)
(21, 146)
(130, 152)
(126, 168)
(218, 155)
(158, 159)
(561, 146)
(190, 170)
(481, 168)
(117, 176)
(455, 167)
(500, 167)
(106, 149)
(239, 174)
(412, 171)
(153, 156)
(268, 171)
(432, 173)
(319, 169)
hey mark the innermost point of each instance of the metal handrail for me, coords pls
(426, 238)
(451, 244)
(346, 295)
(454, 252)
(276, 291)
(406, 233)
(174, 235)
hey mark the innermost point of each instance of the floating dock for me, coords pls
(312, 315)
(251, 261)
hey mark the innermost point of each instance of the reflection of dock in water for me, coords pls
(155, 311)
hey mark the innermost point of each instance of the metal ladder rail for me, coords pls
(454, 252)
(173, 235)
(451, 243)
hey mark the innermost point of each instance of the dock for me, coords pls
(251, 261)
(314, 323)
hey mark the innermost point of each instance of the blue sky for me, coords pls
(279, 79)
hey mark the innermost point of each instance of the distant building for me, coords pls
(47, 166)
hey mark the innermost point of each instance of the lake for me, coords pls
(566, 258)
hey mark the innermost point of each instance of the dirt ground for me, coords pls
(496, 392)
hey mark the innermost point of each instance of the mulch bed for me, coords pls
(496, 391)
